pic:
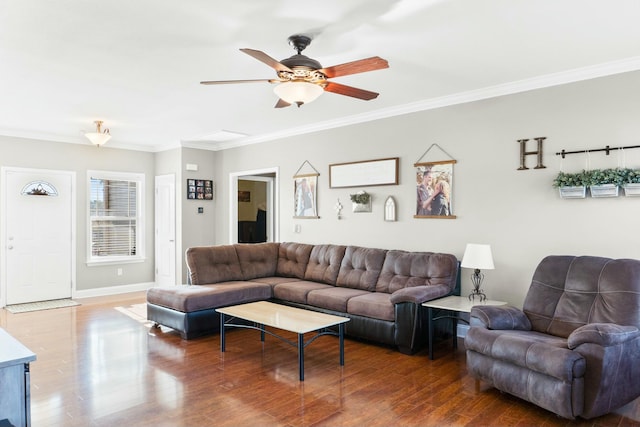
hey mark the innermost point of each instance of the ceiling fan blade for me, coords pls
(229, 82)
(350, 91)
(263, 57)
(281, 103)
(360, 66)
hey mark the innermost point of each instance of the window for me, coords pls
(116, 224)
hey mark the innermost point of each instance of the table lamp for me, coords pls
(478, 257)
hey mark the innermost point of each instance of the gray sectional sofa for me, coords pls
(381, 291)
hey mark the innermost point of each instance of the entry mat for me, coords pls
(40, 305)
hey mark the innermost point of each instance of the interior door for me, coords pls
(165, 218)
(39, 235)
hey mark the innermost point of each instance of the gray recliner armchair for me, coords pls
(574, 348)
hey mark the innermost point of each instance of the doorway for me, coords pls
(252, 206)
(38, 229)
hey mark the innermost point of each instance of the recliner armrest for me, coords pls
(419, 294)
(603, 334)
(502, 317)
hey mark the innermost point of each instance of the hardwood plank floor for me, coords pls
(102, 364)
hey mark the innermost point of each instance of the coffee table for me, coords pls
(300, 321)
(455, 304)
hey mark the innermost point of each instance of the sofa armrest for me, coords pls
(499, 317)
(602, 334)
(419, 294)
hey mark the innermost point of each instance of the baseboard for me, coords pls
(112, 290)
(462, 330)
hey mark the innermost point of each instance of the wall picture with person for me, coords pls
(433, 190)
(305, 196)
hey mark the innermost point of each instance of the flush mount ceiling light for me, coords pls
(99, 137)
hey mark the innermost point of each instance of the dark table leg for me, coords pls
(222, 332)
(454, 321)
(430, 323)
(341, 335)
(301, 356)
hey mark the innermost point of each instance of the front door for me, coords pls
(38, 234)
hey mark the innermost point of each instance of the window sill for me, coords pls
(113, 261)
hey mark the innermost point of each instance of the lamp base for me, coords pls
(477, 293)
(476, 279)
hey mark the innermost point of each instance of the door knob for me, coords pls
(10, 247)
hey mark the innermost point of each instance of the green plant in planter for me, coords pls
(606, 176)
(577, 179)
(630, 176)
(361, 198)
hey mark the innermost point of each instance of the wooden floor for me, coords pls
(101, 364)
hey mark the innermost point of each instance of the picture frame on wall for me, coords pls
(244, 196)
(434, 198)
(199, 189)
(305, 196)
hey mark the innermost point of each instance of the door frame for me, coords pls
(273, 228)
(3, 225)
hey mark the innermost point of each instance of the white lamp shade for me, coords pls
(477, 256)
(298, 92)
(98, 138)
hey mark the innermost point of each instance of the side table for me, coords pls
(455, 304)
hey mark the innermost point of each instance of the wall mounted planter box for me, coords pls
(579, 192)
(604, 190)
(632, 189)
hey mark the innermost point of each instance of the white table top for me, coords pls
(459, 303)
(12, 352)
(283, 317)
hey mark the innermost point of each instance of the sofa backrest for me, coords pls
(360, 268)
(403, 269)
(257, 259)
(324, 263)
(293, 259)
(568, 292)
(213, 264)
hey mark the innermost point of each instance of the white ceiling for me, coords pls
(137, 64)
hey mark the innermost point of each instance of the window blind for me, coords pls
(113, 215)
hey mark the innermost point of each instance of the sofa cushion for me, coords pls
(404, 269)
(372, 304)
(324, 263)
(189, 298)
(333, 298)
(213, 264)
(297, 291)
(360, 268)
(274, 280)
(536, 351)
(293, 259)
(257, 259)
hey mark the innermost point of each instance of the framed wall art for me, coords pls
(434, 198)
(365, 173)
(199, 189)
(305, 196)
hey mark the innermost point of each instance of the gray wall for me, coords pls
(517, 212)
(26, 153)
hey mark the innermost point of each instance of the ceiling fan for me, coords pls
(302, 79)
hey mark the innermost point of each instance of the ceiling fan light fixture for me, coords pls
(298, 92)
(99, 137)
